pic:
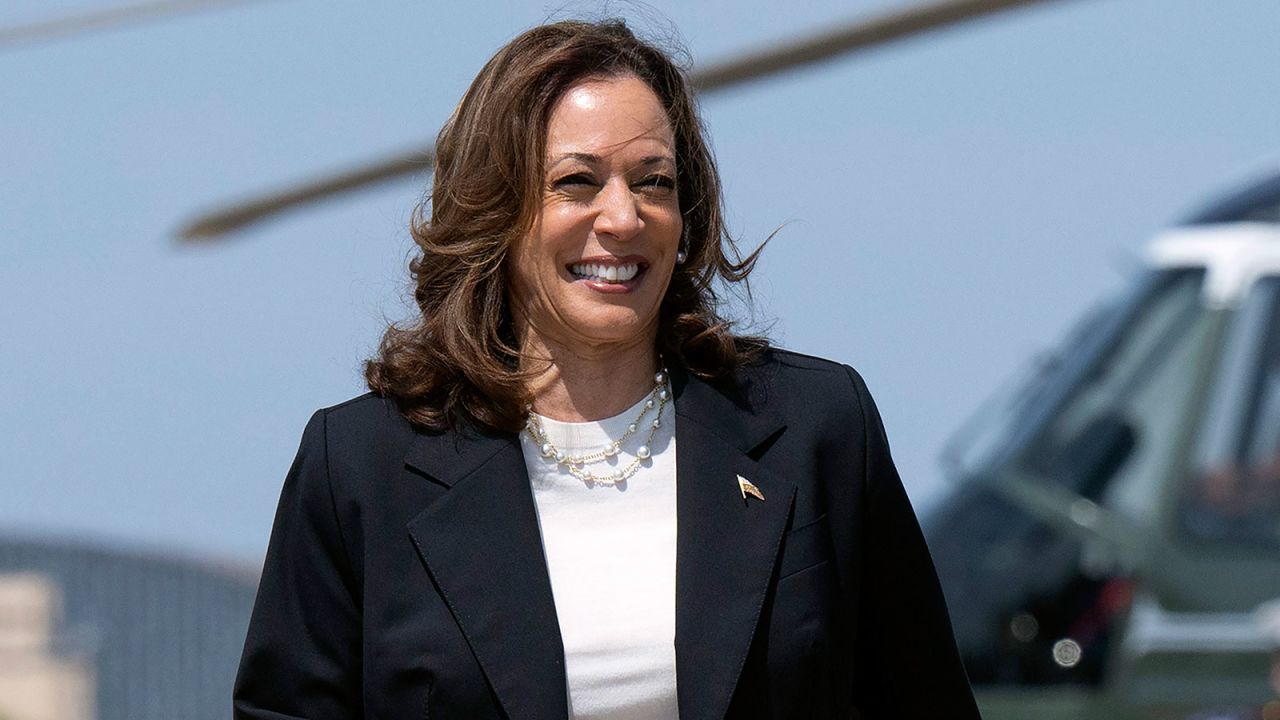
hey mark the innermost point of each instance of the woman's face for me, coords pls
(593, 270)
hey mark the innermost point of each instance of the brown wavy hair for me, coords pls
(457, 363)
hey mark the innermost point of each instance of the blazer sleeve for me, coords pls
(907, 665)
(302, 653)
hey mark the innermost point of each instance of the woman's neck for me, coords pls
(578, 386)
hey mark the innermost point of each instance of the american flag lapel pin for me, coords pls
(748, 489)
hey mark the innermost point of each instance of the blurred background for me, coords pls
(1060, 398)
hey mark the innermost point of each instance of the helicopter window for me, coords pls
(1111, 436)
(1234, 495)
(995, 424)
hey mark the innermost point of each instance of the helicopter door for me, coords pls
(1225, 552)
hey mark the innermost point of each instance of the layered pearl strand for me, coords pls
(576, 464)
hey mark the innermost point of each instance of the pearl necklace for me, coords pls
(575, 464)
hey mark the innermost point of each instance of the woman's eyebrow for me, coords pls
(594, 159)
(656, 159)
(589, 158)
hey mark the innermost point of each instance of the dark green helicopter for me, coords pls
(1111, 542)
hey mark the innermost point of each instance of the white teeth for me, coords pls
(600, 272)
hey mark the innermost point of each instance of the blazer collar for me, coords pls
(481, 544)
(726, 544)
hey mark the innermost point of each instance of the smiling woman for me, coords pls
(573, 491)
(571, 134)
(590, 276)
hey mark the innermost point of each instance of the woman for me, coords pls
(573, 492)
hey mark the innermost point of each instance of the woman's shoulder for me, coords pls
(783, 357)
(365, 408)
(807, 384)
(809, 374)
(367, 423)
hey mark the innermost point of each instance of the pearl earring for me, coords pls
(681, 257)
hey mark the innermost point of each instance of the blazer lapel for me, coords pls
(726, 545)
(481, 545)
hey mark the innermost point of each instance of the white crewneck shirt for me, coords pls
(611, 556)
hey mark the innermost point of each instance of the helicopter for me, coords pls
(1111, 538)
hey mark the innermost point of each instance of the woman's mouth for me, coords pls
(605, 273)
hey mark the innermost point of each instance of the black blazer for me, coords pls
(405, 577)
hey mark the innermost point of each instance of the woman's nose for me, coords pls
(618, 213)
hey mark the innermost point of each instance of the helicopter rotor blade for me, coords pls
(109, 18)
(858, 35)
(217, 224)
(855, 36)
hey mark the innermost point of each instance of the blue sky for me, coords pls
(965, 195)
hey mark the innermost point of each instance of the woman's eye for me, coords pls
(664, 182)
(576, 179)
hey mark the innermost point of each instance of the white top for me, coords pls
(611, 555)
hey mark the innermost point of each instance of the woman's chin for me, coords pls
(617, 335)
(614, 328)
